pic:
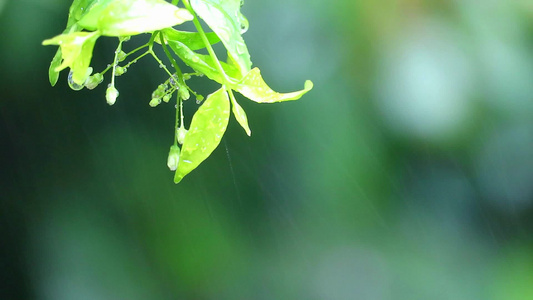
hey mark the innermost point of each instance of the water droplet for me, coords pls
(72, 84)
(244, 23)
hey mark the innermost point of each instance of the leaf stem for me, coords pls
(206, 42)
(171, 59)
(115, 61)
(179, 108)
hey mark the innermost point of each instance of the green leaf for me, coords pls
(254, 88)
(240, 115)
(204, 63)
(79, 8)
(131, 17)
(193, 40)
(87, 15)
(53, 75)
(223, 17)
(207, 128)
(76, 52)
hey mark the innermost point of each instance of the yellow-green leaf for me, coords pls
(207, 128)
(76, 53)
(204, 63)
(127, 17)
(254, 88)
(240, 115)
(53, 75)
(193, 40)
(224, 18)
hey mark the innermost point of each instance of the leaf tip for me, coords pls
(308, 85)
(177, 178)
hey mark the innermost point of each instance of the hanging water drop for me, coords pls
(244, 23)
(72, 84)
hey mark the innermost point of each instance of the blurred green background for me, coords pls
(407, 173)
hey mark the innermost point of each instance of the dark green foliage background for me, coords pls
(331, 198)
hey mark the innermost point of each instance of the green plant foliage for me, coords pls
(207, 128)
(90, 19)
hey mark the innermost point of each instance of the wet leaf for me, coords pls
(53, 75)
(223, 17)
(127, 17)
(254, 88)
(240, 115)
(207, 128)
(76, 52)
(204, 63)
(79, 8)
(193, 40)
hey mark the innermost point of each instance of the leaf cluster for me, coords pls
(89, 20)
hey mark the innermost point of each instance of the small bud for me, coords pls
(166, 98)
(199, 99)
(182, 132)
(173, 157)
(111, 95)
(155, 102)
(121, 56)
(120, 70)
(160, 91)
(184, 93)
(94, 80)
